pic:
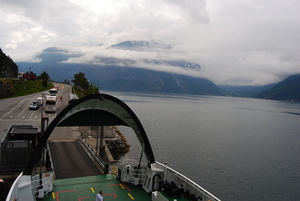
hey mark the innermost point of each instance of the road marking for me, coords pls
(22, 111)
(56, 194)
(12, 109)
(31, 115)
(79, 199)
(130, 196)
(111, 194)
(122, 186)
(26, 107)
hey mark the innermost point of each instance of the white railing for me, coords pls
(93, 154)
(27, 187)
(13, 192)
(138, 176)
(188, 184)
(41, 187)
(21, 189)
(133, 175)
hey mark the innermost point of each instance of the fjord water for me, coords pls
(236, 148)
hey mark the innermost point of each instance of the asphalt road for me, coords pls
(69, 159)
(15, 111)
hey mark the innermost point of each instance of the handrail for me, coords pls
(14, 188)
(191, 183)
(94, 155)
(47, 185)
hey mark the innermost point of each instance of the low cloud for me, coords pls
(234, 42)
(157, 61)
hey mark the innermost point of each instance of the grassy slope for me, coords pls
(13, 88)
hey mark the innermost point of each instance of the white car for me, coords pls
(34, 105)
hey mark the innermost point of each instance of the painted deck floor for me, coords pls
(86, 189)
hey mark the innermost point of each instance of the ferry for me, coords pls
(152, 181)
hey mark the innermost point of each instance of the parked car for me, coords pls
(34, 105)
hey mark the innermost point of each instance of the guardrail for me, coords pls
(39, 185)
(189, 185)
(42, 186)
(91, 151)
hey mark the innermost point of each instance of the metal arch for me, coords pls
(97, 110)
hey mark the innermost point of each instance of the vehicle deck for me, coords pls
(86, 188)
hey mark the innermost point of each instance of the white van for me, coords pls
(39, 100)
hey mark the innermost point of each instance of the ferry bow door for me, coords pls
(153, 179)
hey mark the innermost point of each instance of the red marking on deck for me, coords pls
(79, 199)
(120, 185)
(56, 193)
(111, 194)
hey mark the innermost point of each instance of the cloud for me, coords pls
(235, 42)
(153, 60)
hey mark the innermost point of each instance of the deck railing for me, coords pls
(39, 187)
(42, 184)
(188, 184)
(136, 176)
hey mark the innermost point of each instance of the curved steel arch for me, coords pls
(94, 110)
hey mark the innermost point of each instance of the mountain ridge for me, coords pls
(141, 45)
(128, 74)
(246, 91)
(288, 89)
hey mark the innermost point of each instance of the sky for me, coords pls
(236, 42)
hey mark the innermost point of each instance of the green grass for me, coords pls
(14, 88)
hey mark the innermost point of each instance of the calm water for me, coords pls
(236, 148)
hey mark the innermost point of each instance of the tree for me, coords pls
(80, 81)
(45, 78)
(93, 89)
(83, 86)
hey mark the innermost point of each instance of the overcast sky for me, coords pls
(236, 42)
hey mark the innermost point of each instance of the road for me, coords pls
(16, 110)
(69, 159)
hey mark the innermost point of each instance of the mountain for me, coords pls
(289, 89)
(246, 91)
(8, 68)
(143, 80)
(114, 78)
(164, 51)
(128, 74)
(142, 46)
